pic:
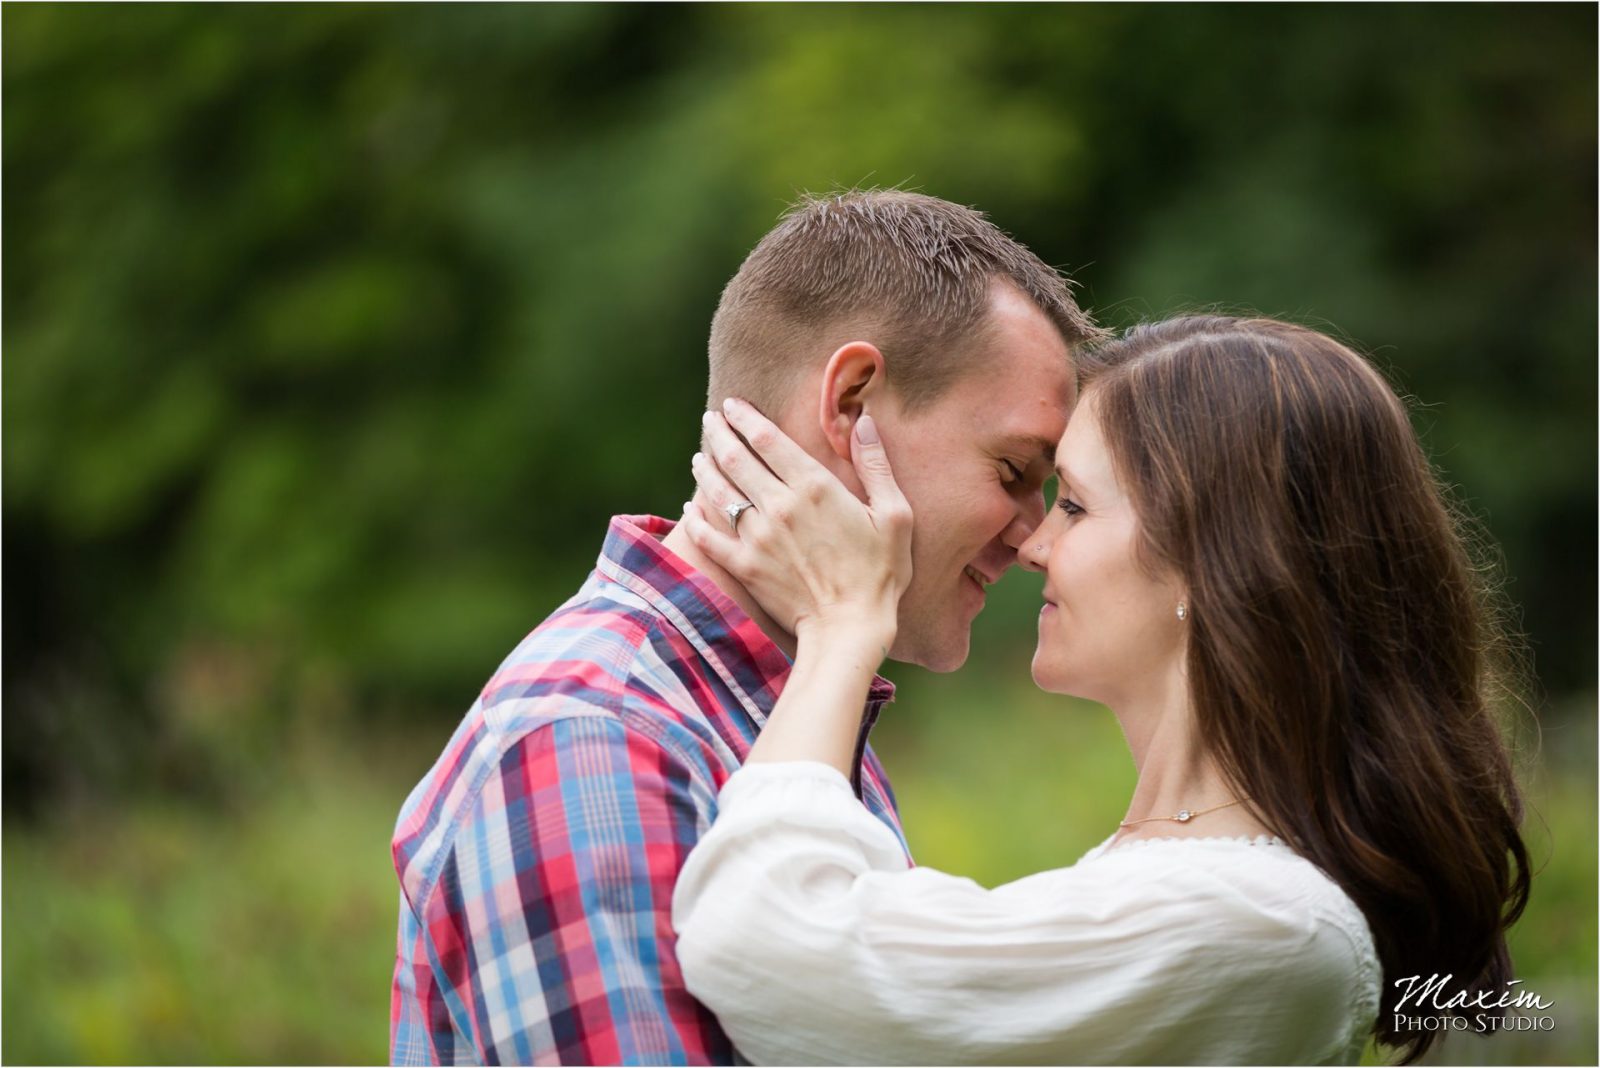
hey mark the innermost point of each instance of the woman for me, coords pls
(1250, 562)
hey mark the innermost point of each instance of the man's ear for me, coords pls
(852, 377)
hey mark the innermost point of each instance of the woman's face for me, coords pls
(1109, 629)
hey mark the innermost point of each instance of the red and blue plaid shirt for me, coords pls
(537, 858)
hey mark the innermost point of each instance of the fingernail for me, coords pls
(697, 459)
(866, 430)
(686, 507)
(707, 417)
(730, 405)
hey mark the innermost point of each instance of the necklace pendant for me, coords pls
(1184, 816)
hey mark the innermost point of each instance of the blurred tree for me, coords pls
(335, 333)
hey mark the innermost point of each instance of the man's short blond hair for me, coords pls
(910, 273)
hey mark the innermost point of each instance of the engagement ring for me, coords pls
(734, 511)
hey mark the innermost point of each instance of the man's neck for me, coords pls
(678, 543)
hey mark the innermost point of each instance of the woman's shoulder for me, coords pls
(1263, 924)
(1262, 904)
(1260, 873)
(1241, 932)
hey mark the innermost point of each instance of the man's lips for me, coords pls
(982, 578)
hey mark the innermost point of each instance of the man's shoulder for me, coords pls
(606, 667)
(606, 651)
(585, 648)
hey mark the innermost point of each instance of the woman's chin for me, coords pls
(1044, 677)
(1052, 679)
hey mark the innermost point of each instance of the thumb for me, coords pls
(872, 465)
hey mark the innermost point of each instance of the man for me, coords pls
(537, 858)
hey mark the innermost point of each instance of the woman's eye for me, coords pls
(1068, 505)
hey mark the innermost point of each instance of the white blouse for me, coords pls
(801, 927)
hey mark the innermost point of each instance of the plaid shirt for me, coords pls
(537, 858)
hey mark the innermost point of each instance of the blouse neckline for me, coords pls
(1258, 840)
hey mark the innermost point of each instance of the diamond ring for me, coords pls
(734, 511)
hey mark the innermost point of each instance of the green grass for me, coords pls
(157, 932)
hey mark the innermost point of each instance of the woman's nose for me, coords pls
(1034, 554)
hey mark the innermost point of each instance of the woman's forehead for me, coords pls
(1082, 459)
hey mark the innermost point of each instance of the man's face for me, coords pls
(973, 465)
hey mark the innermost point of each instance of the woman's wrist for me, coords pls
(850, 633)
(818, 715)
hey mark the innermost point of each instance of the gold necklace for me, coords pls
(1184, 815)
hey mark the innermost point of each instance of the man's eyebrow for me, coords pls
(1031, 443)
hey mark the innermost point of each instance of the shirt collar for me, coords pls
(748, 661)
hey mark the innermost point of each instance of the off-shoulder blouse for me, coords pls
(800, 926)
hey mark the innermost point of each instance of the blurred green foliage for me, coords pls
(165, 935)
(334, 334)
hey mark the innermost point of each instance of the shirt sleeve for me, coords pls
(801, 928)
(548, 937)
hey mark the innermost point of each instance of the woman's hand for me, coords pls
(814, 556)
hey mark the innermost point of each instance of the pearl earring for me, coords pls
(1183, 611)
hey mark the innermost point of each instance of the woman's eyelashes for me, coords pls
(1068, 505)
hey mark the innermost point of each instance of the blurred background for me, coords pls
(334, 334)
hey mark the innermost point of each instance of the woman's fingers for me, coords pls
(724, 549)
(718, 490)
(809, 549)
(884, 498)
(891, 512)
(777, 450)
(741, 467)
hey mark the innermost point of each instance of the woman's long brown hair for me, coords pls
(1343, 649)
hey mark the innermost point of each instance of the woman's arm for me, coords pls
(799, 926)
(825, 565)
